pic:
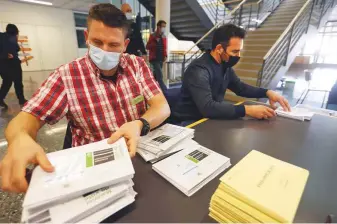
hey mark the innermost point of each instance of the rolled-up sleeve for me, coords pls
(198, 82)
(49, 103)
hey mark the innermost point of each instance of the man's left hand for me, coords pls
(131, 132)
(277, 98)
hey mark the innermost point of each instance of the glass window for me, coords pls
(80, 39)
(80, 19)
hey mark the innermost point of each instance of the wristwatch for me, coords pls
(146, 127)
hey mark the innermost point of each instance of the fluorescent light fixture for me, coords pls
(38, 2)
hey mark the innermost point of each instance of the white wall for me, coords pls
(179, 45)
(51, 33)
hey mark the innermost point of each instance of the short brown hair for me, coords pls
(110, 15)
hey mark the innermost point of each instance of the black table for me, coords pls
(310, 145)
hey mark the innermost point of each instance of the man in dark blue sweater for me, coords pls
(207, 78)
(11, 71)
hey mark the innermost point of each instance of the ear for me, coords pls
(219, 48)
(126, 43)
(86, 36)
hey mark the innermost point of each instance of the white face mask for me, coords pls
(104, 60)
(129, 15)
(163, 29)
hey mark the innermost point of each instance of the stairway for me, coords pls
(258, 43)
(188, 20)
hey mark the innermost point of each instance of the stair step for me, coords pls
(255, 34)
(182, 19)
(247, 73)
(268, 32)
(254, 60)
(251, 53)
(186, 13)
(186, 24)
(179, 6)
(187, 29)
(257, 47)
(262, 41)
(277, 23)
(248, 66)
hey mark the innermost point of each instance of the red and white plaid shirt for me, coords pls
(97, 107)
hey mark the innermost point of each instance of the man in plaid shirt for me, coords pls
(106, 94)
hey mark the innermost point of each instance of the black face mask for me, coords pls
(233, 60)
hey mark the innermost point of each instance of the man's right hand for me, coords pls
(10, 56)
(22, 151)
(259, 111)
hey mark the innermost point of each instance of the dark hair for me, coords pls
(160, 22)
(12, 30)
(224, 33)
(110, 15)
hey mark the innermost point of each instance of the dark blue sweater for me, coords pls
(204, 86)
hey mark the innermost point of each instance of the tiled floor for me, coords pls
(51, 137)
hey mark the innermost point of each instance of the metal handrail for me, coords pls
(286, 30)
(277, 56)
(215, 26)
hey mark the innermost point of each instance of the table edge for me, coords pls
(205, 119)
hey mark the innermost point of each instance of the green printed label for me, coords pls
(137, 100)
(196, 156)
(89, 160)
(192, 159)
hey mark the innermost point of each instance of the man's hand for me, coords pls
(259, 112)
(277, 98)
(165, 58)
(131, 132)
(144, 56)
(10, 56)
(22, 151)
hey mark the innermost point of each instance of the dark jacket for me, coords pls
(136, 45)
(204, 86)
(8, 45)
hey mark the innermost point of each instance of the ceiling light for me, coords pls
(38, 2)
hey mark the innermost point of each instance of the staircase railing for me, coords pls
(187, 58)
(324, 6)
(246, 15)
(277, 56)
(215, 9)
(251, 15)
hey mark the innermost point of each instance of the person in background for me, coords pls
(105, 94)
(157, 46)
(136, 45)
(11, 70)
(207, 78)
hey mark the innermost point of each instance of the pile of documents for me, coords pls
(89, 184)
(259, 189)
(296, 113)
(193, 167)
(164, 141)
(320, 111)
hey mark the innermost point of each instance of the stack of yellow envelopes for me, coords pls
(259, 188)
